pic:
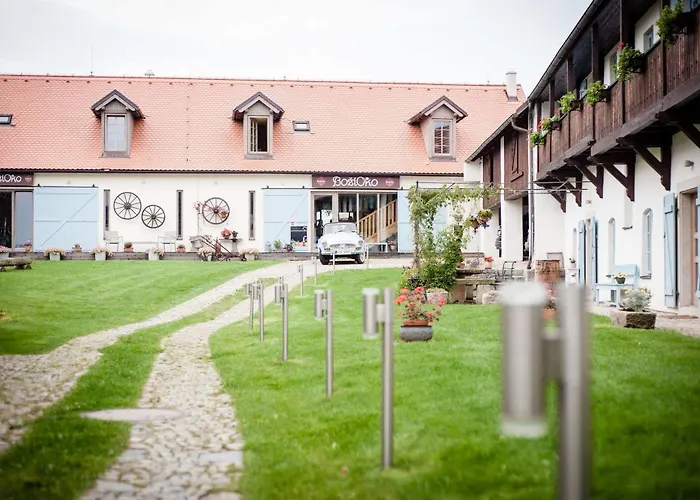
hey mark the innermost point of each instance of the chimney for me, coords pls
(511, 86)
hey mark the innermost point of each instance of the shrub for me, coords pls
(624, 66)
(637, 300)
(567, 102)
(536, 138)
(594, 92)
(668, 24)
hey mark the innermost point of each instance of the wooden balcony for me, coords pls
(670, 79)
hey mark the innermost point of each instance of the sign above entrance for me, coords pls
(354, 182)
(13, 179)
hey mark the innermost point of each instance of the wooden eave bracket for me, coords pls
(575, 190)
(595, 179)
(662, 166)
(608, 163)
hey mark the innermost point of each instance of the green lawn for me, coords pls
(62, 454)
(54, 302)
(299, 444)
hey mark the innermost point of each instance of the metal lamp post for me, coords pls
(383, 313)
(300, 270)
(323, 304)
(261, 308)
(531, 358)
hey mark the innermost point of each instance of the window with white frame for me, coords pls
(442, 143)
(647, 225)
(649, 39)
(611, 244)
(583, 88)
(258, 134)
(115, 133)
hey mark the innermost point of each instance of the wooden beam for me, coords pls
(560, 198)
(595, 179)
(661, 166)
(596, 60)
(579, 190)
(676, 117)
(570, 77)
(627, 181)
(690, 132)
(551, 97)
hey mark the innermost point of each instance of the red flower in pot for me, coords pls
(416, 309)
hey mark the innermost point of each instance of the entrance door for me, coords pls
(323, 214)
(6, 219)
(16, 217)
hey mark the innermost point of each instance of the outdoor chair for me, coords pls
(112, 238)
(169, 238)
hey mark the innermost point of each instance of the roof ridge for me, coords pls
(250, 80)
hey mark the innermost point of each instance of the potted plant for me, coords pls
(417, 314)
(484, 216)
(635, 311)
(27, 246)
(277, 245)
(620, 278)
(629, 61)
(54, 253)
(100, 253)
(180, 248)
(392, 246)
(289, 247)
(536, 138)
(154, 253)
(249, 253)
(128, 247)
(488, 262)
(4, 252)
(77, 248)
(205, 253)
(226, 233)
(569, 102)
(672, 23)
(596, 92)
(550, 308)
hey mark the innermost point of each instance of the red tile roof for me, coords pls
(356, 127)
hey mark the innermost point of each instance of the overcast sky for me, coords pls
(455, 41)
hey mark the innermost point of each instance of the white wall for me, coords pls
(160, 189)
(649, 193)
(645, 22)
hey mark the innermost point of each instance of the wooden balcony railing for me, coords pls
(667, 68)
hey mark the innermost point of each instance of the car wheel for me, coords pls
(324, 259)
(360, 258)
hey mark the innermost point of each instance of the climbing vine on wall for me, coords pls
(437, 254)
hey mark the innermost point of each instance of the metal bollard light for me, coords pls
(524, 405)
(383, 313)
(261, 309)
(285, 321)
(367, 256)
(251, 310)
(334, 262)
(300, 270)
(531, 358)
(369, 306)
(314, 259)
(278, 292)
(319, 297)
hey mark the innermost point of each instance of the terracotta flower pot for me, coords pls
(180, 250)
(488, 265)
(549, 314)
(416, 322)
(129, 250)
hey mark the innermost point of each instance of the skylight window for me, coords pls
(302, 126)
(5, 119)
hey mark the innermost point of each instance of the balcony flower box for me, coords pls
(4, 252)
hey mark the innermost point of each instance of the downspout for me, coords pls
(530, 185)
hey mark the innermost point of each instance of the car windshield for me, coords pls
(340, 227)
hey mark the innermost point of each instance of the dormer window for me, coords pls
(258, 113)
(117, 113)
(442, 135)
(437, 122)
(258, 134)
(115, 133)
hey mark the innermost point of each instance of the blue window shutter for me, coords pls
(283, 208)
(697, 218)
(594, 252)
(405, 228)
(581, 278)
(64, 216)
(670, 273)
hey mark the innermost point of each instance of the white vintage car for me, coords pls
(342, 239)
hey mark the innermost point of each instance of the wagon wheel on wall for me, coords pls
(215, 211)
(127, 205)
(153, 216)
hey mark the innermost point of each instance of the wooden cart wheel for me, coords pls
(127, 205)
(153, 216)
(215, 211)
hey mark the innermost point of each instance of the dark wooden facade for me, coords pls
(492, 173)
(640, 113)
(515, 163)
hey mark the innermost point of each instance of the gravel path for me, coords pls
(196, 455)
(30, 383)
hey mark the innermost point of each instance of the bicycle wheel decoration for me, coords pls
(215, 211)
(127, 205)
(153, 216)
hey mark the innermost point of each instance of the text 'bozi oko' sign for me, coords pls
(354, 182)
(12, 179)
